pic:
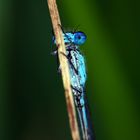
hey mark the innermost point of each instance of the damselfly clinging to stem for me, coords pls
(78, 76)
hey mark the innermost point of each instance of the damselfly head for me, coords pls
(79, 38)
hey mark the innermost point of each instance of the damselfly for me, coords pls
(77, 68)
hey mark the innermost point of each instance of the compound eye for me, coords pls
(79, 38)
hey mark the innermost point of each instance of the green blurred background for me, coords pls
(32, 102)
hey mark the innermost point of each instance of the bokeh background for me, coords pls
(32, 102)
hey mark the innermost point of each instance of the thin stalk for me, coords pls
(54, 14)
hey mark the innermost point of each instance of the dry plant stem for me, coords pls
(64, 68)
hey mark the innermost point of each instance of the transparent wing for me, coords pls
(82, 69)
(79, 64)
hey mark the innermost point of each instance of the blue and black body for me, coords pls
(73, 40)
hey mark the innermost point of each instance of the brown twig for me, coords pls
(64, 68)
